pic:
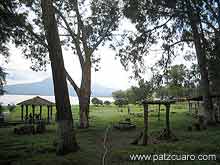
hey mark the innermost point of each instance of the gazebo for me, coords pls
(37, 101)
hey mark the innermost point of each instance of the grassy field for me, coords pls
(38, 149)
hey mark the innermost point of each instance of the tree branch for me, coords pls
(72, 82)
(65, 35)
(212, 10)
(82, 28)
(175, 43)
(169, 48)
(102, 37)
(159, 26)
(209, 24)
(73, 35)
(36, 36)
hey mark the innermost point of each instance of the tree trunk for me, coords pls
(84, 95)
(202, 62)
(65, 131)
(168, 119)
(145, 131)
(84, 111)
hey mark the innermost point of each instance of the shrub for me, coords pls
(100, 102)
(107, 102)
(121, 102)
(96, 101)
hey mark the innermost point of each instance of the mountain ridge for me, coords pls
(45, 88)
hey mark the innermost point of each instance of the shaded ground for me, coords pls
(39, 149)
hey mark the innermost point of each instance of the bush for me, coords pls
(107, 102)
(100, 102)
(121, 102)
(96, 101)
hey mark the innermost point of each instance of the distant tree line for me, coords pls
(178, 81)
(135, 94)
(98, 102)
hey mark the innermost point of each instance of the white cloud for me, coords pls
(18, 69)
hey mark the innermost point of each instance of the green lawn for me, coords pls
(39, 149)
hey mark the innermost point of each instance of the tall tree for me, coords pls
(193, 13)
(211, 19)
(15, 27)
(66, 134)
(85, 35)
(84, 26)
(183, 22)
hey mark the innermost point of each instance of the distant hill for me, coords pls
(45, 88)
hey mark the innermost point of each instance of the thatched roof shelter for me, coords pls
(37, 101)
(200, 98)
(194, 102)
(164, 102)
(33, 102)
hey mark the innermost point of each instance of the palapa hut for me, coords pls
(194, 102)
(36, 101)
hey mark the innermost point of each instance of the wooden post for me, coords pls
(197, 108)
(145, 132)
(48, 114)
(159, 113)
(218, 113)
(40, 112)
(190, 107)
(26, 110)
(22, 112)
(51, 113)
(33, 110)
(168, 118)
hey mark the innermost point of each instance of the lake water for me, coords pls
(14, 99)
